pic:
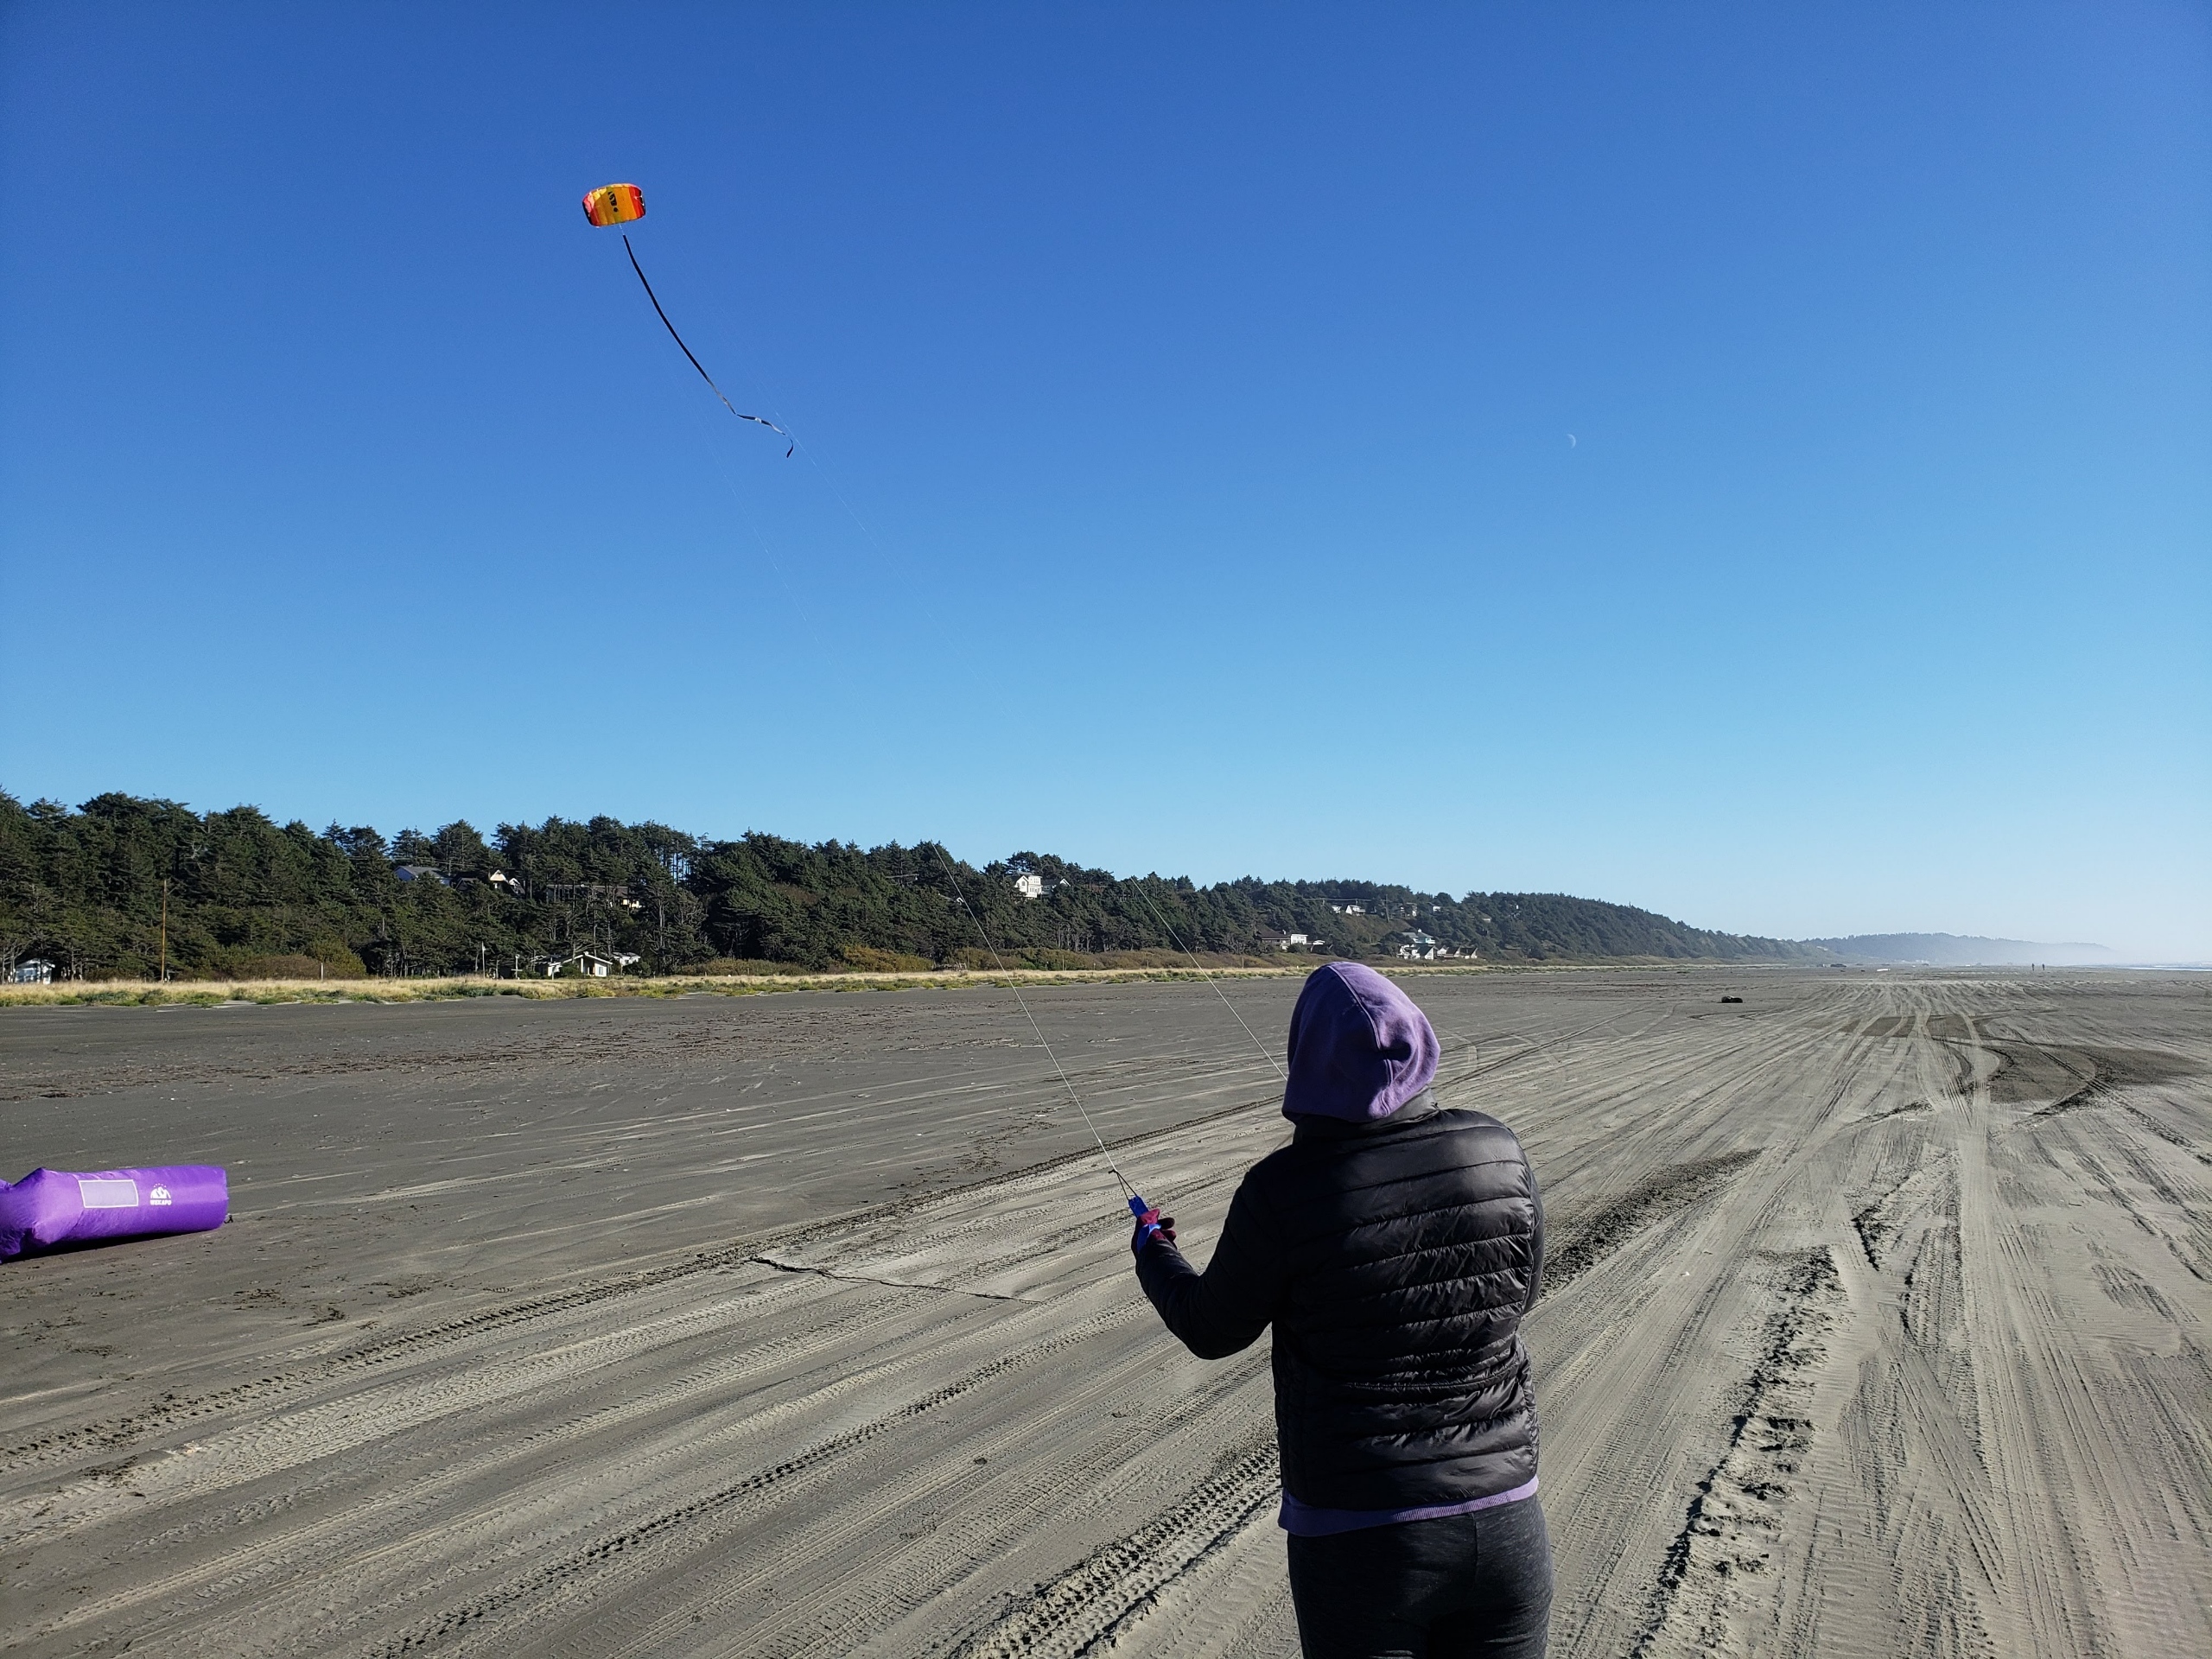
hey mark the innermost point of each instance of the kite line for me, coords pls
(1067, 1083)
(613, 205)
(1268, 1053)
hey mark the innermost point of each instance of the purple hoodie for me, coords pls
(1359, 1049)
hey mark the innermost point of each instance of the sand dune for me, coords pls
(804, 1326)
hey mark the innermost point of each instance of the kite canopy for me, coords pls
(614, 204)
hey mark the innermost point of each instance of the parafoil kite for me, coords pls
(618, 204)
(614, 204)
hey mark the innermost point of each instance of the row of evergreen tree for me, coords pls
(114, 888)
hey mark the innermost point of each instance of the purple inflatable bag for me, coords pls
(51, 1206)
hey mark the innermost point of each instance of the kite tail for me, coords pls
(757, 420)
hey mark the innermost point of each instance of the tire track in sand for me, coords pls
(671, 1524)
(1087, 1607)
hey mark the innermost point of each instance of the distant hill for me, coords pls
(83, 889)
(1962, 950)
(102, 891)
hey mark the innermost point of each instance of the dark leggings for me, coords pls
(1468, 1583)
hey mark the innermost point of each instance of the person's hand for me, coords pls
(1164, 1226)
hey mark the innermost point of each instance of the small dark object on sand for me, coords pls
(1731, 999)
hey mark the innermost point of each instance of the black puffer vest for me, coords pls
(1394, 1260)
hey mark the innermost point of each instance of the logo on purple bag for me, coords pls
(159, 1195)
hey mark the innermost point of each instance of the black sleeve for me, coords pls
(1536, 1273)
(1223, 1310)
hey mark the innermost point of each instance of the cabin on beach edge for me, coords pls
(589, 964)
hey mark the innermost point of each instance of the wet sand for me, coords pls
(803, 1325)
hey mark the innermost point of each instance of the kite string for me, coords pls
(876, 541)
(744, 512)
(814, 460)
(1023, 1003)
(1265, 1050)
(1068, 1084)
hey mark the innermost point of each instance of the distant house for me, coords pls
(1349, 910)
(1289, 942)
(1029, 885)
(32, 971)
(505, 883)
(586, 965)
(1416, 946)
(421, 873)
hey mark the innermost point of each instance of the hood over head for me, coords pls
(1359, 1049)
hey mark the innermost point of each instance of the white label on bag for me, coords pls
(108, 1195)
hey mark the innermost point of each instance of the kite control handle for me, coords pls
(1148, 1216)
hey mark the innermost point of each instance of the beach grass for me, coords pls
(215, 993)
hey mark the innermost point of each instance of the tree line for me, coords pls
(115, 888)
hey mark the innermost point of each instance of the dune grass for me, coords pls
(216, 993)
(206, 993)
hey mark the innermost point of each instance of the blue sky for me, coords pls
(1184, 397)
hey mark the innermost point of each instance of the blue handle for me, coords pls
(1148, 1219)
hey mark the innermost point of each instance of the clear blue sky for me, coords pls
(1186, 397)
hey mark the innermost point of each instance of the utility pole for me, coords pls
(165, 929)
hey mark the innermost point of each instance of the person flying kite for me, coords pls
(1394, 1245)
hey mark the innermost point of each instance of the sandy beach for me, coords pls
(803, 1325)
